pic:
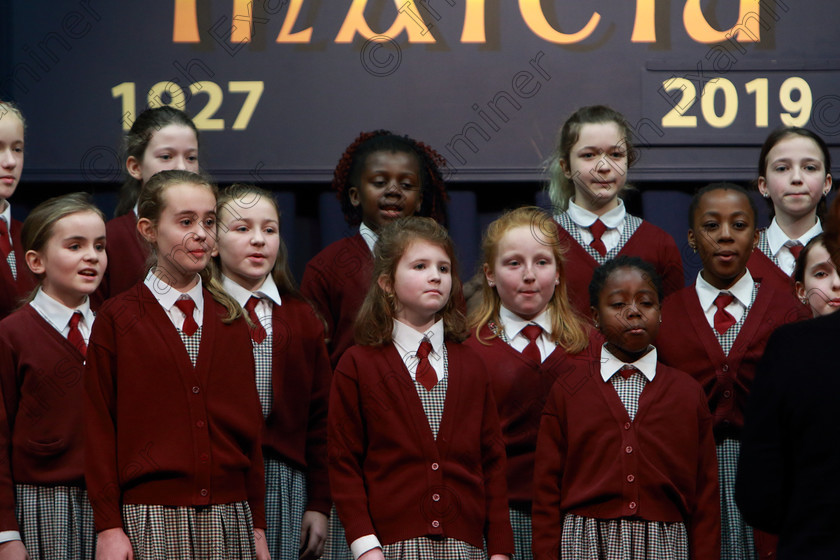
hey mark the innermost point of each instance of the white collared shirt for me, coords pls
(368, 235)
(614, 220)
(267, 293)
(58, 315)
(167, 296)
(513, 325)
(779, 242)
(610, 364)
(742, 290)
(407, 341)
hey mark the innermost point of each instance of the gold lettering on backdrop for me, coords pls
(185, 22)
(240, 29)
(473, 31)
(286, 35)
(535, 18)
(644, 28)
(355, 23)
(745, 30)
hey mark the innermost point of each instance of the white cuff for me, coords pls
(6, 536)
(363, 544)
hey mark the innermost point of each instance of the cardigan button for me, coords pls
(725, 368)
(199, 424)
(436, 497)
(204, 457)
(204, 492)
(727, 393)
(627, 425)
(435, 523)
(196, 389)
(628, 449)
(630, 478)
(632, 505)
(435, 466)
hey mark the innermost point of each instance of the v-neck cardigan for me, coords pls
(41, 428)
(127, 254)
(160, 431)
(520, 388)
(686, 341)
(593, 461)
(391, 478)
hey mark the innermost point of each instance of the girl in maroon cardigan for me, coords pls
(173, 458)
(16, 281)
(716, 331)
(417, 466)
(588, 171)
(44, 509)
(159, 139)
(625, 462)
(293, 371)
(524, 296)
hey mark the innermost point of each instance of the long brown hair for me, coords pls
(567, 327)
(375, 321)
(150, 205)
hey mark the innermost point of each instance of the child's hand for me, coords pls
(13, 550)
(373, 554)
(113, 544)
(261, 544)
(313, 533)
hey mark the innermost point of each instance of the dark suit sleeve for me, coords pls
(760, 489)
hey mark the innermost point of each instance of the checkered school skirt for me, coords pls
(586, 538)
(216, 532)
(285, 502)
(423, 548)
(336, 547)
(737, 542)
(55, 522)
(520, 521)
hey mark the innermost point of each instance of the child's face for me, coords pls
(724, 236)
(795, 178)
(524, 272)
(389, 188)
(184, 235)
(628, 313)
(597, 165)
(174, 146)
(422, 284)
(249, 238)
(73, 260)
(11, 154)
(821, 283)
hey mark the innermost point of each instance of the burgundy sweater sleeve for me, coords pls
(546, 516)
(316, 437)
(101, 475)
(704, 522)
(345, 438)
(8, 520)
(498, 532)
(673, 279)
(314, 287)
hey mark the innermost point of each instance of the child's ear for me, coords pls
(35, 262)
(132, 164)
(419, 202)
(384, 283)
(489, 275)
(800, 292)
(827, 184)
(564, 165)
(146, 229)
(353, 194)
(756, 238)
(596, 316)
(692, 241)
(762, 186)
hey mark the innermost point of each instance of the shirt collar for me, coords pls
(742, 290)
(369, 236)
(585, 218)
(513, 323)
(241, 295)
(610, 364)
(776, 238)
(7, 215)
(410, 339)
(59, 314)
(167, 295)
